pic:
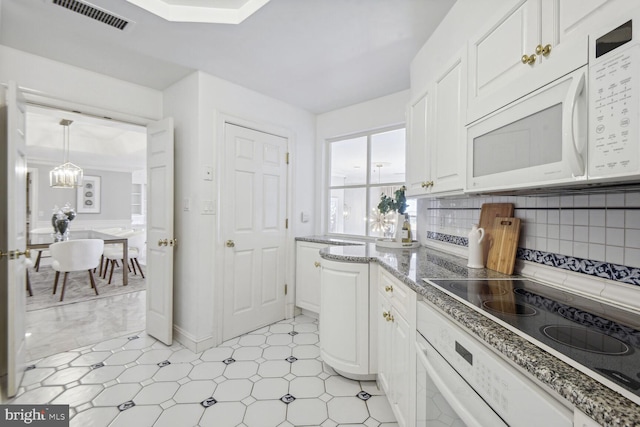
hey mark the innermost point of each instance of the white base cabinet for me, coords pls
(396, 340)
(308, 263)
(344, 317)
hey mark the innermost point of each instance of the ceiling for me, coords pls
(319, 55)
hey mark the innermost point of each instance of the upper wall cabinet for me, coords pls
(511, 57)
(436, 140)
(418, 171)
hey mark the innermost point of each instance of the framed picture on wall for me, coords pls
(89, 195)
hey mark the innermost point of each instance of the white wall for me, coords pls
(115, 200)
(378, 113)
(198, 104)
(68, 84)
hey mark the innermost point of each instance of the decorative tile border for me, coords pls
(448, 238)
(605, 270)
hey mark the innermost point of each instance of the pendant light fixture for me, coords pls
(67, 175)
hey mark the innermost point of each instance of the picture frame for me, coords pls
(88, 195)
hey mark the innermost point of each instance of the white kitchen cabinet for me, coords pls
(344, 317)
(418, 169)
(448, 159)
(396, 337)
(308, 275)
(507, 58)
(436, 144)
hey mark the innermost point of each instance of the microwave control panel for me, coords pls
(614, 84)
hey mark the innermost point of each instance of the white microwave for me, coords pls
(538, 140)
(580, 128)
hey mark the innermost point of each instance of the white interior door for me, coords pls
(253, 228)
(13, 169)
(160, 239)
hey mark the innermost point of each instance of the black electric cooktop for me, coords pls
(603, 338)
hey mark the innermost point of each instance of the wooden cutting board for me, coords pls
(488, 212)
(502, 253)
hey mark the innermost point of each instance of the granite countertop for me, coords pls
(410, 266)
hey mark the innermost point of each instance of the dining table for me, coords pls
(43, 240)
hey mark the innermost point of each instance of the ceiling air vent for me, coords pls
(93, 12)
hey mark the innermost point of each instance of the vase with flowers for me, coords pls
(397, 204)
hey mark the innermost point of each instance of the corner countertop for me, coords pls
(410, 266)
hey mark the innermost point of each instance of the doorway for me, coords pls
(115, 152)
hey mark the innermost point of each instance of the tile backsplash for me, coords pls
(592, 228)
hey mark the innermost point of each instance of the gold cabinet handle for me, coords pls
(316, 264)
(163, 242)
(528, 59)
(388, 288)
(230, 243)
(543, 50)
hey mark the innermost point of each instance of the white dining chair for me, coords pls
(135, 242)
(75, 255)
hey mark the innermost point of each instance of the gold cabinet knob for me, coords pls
(316, 264)
(385, 314)
(163, 242)
(430, 183)
(528, 59)
(543, 50)
(388, 288)
(230, 243)
(424, 184)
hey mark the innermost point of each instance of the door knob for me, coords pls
(15, 254)
(231, 243)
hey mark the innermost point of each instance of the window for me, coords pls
(361, 169)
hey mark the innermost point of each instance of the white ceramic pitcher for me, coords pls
(476, 259)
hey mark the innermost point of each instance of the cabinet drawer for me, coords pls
(398, 294)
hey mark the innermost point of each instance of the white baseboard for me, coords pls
(189, 341)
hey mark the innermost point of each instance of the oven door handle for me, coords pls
(469, 406)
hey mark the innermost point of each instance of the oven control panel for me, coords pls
(516, 398)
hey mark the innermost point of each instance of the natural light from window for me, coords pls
(361, 169)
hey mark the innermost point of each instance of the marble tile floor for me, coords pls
(270, 377)
(58, 329)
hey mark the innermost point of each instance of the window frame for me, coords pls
(367, 186)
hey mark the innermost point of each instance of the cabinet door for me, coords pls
(402, 372)
(344, 316)
(417, 166)
(384, 344)
(495, 56)
(566, 19)
(448, 160)
(308, 275)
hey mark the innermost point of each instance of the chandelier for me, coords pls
(67, 175)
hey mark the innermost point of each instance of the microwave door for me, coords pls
(538, 140)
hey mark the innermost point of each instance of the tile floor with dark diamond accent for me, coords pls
(270, 377)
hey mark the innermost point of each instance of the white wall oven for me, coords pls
(461, 381)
